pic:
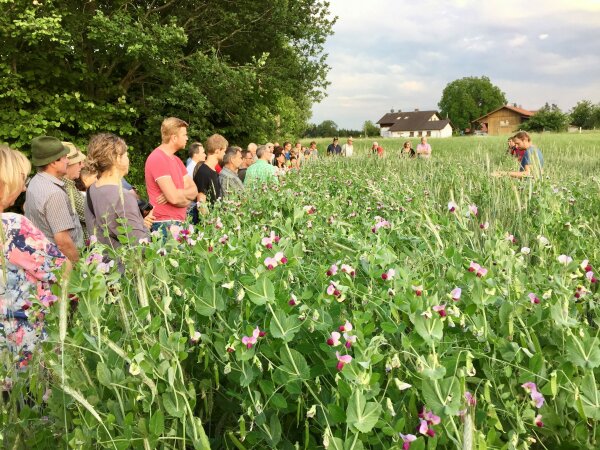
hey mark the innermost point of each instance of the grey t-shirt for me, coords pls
(110, 204)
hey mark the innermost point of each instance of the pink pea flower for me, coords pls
(473, 209)
(425, 429)
(452, 207)
(349, 340)
(271, 263)
(484, 226)
(590, 276)
(310, 209)
(536, 396)
(161, 251)
(511, 238)
(533, 298)
(381, 223)
(249, 341)
(93, 239)
(293, 300)
(332, 270)
(346, 327)
(406, 440)
(223, 240)
(418, 290)
(440, 309)
(538, 421)
(342, 360)
(334, 339)
(388, 275)
(470, 398)
(456, 293)
(431, 418)
(280, 257)
(349, 270)
(479, 271)
(331, 289)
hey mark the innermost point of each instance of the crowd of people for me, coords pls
(73, 197)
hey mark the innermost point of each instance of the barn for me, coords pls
(413, 124)
(504, 120)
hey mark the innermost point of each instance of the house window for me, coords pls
(504, 123)
(411, 134)
(429, 133)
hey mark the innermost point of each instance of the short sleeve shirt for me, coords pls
(529, 158)
(47, 205)
(207, 182)
(261, 172)
(159, 165)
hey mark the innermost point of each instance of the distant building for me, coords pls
(504, 120)
(414, 124)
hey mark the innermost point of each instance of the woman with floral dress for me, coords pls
(27, 262)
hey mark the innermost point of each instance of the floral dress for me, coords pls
(26, 264)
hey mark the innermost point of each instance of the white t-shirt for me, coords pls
(347, 150)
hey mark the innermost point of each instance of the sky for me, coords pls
(401, 54)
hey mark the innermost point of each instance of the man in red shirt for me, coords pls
(170, 188)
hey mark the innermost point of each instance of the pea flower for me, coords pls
(332, 270)
(388, 275)
(456, 293)
(477, 269)
(334, 339)
(427, 419)
(293, 300)
(349, 340)
(223, 239)
(249, 341)
(585, 265)
(342, 360)
(349, 270)
(346, 327)
(536, 396)
(310, 209)
(270, 240)
(543, 241)
(271, 263)
(195, 337)
(452, 207)
(333, 290)
(590, 276)
(381, 223)
(470, 398)
(533, 298)
(406, 440)
(473, 209)
(280, 257)
(440, 309)
(484, 226)
(418, 290)
(564, 259)
(538, 421)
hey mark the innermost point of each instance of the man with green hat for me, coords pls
(47, 204)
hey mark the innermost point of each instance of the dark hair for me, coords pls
(522, 135)
(194, 149)
(230, 154)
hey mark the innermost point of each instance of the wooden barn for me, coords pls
(504, 120)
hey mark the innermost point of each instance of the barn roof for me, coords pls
(521, 111)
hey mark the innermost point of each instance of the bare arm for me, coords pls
(189, 188)
(66, 245)
(174, 196)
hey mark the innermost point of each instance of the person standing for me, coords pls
(247, 161)
(334, 148)
(348, 148)
(196, 156)
(252, 149)
(74, 165)
(29, 261)
(207, 177)
(231, 185)
(424, 149)
(261, 172)
(170, 188)
(313, 152)
(47, 204)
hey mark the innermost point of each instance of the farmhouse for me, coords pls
(413, 124)
(505, 119)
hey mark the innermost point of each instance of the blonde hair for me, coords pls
(14, 166)
(103, 151)
(170, 127)
(214, 143)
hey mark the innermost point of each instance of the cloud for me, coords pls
(400, 54)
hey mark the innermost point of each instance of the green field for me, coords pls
(380, 246)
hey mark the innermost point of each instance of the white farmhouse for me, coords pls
(414, 124)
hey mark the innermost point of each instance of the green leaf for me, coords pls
(157, 423)
(210, 301)
(590, 397)
(275, 429)
(360, 414)
(262, 292)
(104, 375)
(284, 326)
(170, 406)
(443, 397)
(429, 329)
(584, 353)
(294, 364)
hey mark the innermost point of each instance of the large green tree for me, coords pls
(469, 98)
(247, 69)
(585, 115)
(547, 118)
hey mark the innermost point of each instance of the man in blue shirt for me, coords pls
(532, 163)
(334, 148)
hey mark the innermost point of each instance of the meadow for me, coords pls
(364, 303)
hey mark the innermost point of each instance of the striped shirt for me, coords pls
(47, 205)
(261, 172)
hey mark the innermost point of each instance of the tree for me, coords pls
(469, 98)
(547, 118)
(72, 68)
(585, 115)
(370, 129)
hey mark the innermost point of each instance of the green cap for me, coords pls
(46, 149)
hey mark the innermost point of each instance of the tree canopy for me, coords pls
(585, 115)
(245, 68)
(469, 98)
(547, 118)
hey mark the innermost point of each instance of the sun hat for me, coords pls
(45, 150)
(75, 156)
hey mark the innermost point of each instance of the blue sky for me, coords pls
(401, 54)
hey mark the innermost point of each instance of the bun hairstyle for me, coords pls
(103, 151)
(14, 167)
